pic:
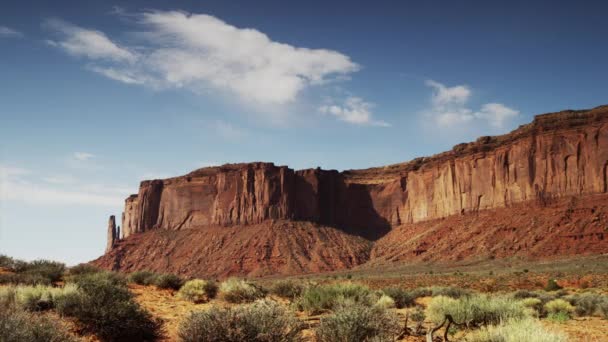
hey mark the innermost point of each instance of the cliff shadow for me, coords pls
(330, 201)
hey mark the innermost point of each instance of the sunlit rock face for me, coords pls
(559, 154)
(537, 192)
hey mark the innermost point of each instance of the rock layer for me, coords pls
(558, 155)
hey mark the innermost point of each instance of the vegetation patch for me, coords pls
(358, 323)
(402, 297)
(104, 306)
(515, 331)
(263, 321)
(322, 298)
(476, 310)
(168, 281)
(17, 325)
(287, 289)
(198, 291)
(239, 291)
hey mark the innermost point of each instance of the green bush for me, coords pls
(385, 302)
(535, 305)
(9, 263)
(552, 285)
(51, 270)
(402, 298)
(418, 315)
(287, 289)
(239, 291)
(559, 317)
(25, 279)
(168, 281)
(476, 310)
(515, 331)
(421, 292)
(559, 309)
(104, 306)
(358, 323)
(588, 304)
(17, 325)
(321, 298)
(35, 298)
(263, 320)
(198, 291)
(142, 277)
(452, 292)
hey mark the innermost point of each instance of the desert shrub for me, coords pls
(104, 306)
(321, 298)
(535, 305)
(100, 277)
(559, 310)
(358, 323)
(239, 291)
(168, 281)
(476, 310)
(552, 285)
(515, 331)
(8, 263)
(421, 292)
(559, 317)
(450, 291)
(588, 304)
(198, 290)
(51, 270)
(83, 269)
(23, 278)
(287, 289)
(263, 320)
(36, 298)
(142, 277)
(17, 325)
(418, 315)
(402, 297)
(522, 294)
(385, 302)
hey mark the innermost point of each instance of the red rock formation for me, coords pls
(113, 234)
(556, 156)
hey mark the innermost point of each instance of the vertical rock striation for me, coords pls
(539, 191)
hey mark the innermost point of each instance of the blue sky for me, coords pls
(96, 96)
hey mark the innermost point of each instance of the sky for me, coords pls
(96, 96)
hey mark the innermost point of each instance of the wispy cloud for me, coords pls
(354, 110)
(15, 186)
(198, 51)
(87, 43)
(82, 156)
(8, 32)
(449, 106)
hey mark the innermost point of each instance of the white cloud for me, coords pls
(9, 32)
(83, 156)
(496, 113)
(197, 52)
(355, 111)
(15, 187)
(449, 106)
(87, 43)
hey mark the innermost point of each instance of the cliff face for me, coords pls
(557, 156)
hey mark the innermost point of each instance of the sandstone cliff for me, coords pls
(558, 155)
